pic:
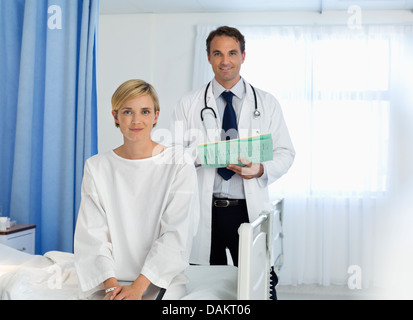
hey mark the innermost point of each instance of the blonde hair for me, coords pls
(131, 89)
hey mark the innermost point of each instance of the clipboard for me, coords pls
(220, 154)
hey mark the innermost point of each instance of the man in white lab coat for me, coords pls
(228, 202)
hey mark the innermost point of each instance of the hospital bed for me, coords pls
(260, 252)
(52, 276)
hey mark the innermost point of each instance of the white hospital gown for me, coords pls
(135, 217)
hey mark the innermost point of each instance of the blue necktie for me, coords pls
(229, 125)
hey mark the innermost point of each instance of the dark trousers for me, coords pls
(224, 234)
(225, 224)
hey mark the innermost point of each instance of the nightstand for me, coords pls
(20, 237)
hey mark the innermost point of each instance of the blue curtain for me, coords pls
(48, 110)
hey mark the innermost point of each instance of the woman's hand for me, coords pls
(125, 293)
(108, 296)
(132, 292)
(110, 283)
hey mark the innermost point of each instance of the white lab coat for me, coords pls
(187, 117)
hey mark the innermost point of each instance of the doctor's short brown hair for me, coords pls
(132, 89)
(229, 32)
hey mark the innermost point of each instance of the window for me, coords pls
(334, 93)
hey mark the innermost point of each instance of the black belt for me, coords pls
(223, 203)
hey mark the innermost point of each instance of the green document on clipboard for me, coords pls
(256, 149)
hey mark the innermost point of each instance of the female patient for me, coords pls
(138, 208)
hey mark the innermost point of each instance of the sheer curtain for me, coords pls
(335, 86)
(48, 113)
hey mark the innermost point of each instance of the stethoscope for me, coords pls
(256, 114)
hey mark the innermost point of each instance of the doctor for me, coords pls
(229, 200)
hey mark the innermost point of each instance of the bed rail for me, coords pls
(260, 249)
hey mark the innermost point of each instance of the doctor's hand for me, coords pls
(251, 170)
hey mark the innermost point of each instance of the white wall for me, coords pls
(159, 48)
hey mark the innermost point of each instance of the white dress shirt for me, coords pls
(232, 188)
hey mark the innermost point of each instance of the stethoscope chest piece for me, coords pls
(256, 114)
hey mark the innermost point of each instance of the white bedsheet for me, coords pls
(52, 276)
(35, 277)
(211, 283)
